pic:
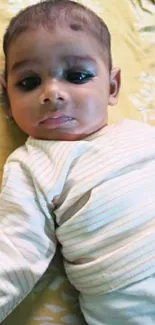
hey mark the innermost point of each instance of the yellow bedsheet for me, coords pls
(132, 25)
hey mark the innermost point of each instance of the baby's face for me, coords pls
(58, 85)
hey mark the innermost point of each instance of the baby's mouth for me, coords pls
(56, 120)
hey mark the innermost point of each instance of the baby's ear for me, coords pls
(5, 99)
(115, 82)
(2, 82)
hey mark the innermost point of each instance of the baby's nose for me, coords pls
(54, 93)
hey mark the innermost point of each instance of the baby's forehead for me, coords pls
(59, 45)
(55, 37)
(65, 14)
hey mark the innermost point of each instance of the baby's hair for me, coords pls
(52, 13)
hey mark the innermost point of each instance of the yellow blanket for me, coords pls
(132, 25)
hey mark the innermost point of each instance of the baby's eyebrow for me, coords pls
(20, 64)
(72, 59)
(79, 58)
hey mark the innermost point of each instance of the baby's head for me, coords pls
(58, 75)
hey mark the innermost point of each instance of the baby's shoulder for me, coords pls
(134, 124)
(134, 127)
(19, 154)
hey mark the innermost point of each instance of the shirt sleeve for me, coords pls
(27, 236)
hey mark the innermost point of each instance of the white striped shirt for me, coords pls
(99, 191)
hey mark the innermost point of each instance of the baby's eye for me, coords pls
(78, 77)
(29, 83)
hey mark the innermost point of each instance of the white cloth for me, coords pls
(100, 191)
(131, 305)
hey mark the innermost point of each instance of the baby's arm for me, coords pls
(27, 236)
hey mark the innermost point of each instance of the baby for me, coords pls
(76, 181)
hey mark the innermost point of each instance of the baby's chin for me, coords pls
(61, 137)
(64, 134)
(57, 136)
